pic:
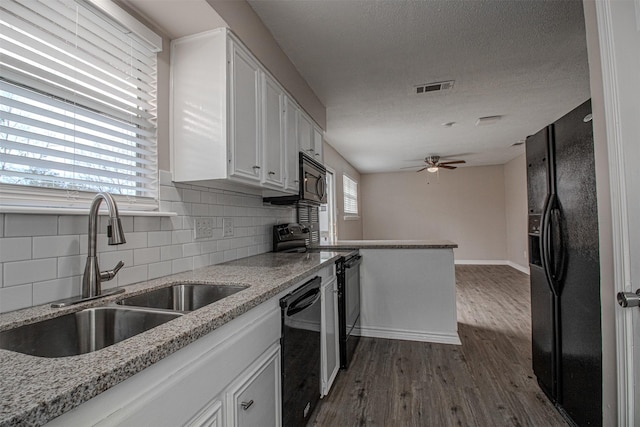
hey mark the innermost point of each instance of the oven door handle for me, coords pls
(307, 299)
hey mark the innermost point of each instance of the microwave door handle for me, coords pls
(320, 187)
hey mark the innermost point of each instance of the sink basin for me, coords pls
(82, 332)
(183, 297)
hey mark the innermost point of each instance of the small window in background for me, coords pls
(77, 105)
(350, 189)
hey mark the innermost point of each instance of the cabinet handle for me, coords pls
(256, 167)
(311, 150)
(272, 173)
(246, 405)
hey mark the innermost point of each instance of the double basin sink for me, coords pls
(92, 329)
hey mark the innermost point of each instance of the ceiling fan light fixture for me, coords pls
(432, 169)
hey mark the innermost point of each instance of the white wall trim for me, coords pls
(622, 275)
(399, 334)
(512, 264)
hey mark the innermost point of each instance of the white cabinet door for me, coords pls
(244, 138)
(210, 416)
(305, 134)
(317, 144)
(292, 171)
(329, 334)
(272, 133)
(254, 399)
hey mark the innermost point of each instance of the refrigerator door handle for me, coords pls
(545, 243)
(556, 235)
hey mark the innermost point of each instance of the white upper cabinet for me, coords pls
(317, 144)
(228, 116)
(272, 133)
(292, 169)
(305, 134)
(244, 117)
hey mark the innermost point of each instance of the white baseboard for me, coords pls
(512, 264)
(397, 334)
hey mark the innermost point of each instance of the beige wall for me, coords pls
(246, 24)
(351, 229)
(466, 206)
(609, 383)
(515, 197)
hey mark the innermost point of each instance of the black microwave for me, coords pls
(312, 188)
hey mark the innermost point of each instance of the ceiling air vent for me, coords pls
(434, 87)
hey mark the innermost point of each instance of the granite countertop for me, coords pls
(35, 390)
(389, 244)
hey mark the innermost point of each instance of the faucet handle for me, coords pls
(110, 274)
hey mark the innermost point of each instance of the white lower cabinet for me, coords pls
(254, 398)
(237, 362)
(329, 339)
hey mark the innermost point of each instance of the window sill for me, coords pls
(75, 211)
(352, 217)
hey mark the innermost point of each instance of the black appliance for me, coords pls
(291, 238)
(564, 264)
(312, 185)
(300, 347)
(348, 272)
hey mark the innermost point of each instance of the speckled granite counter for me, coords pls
(388, 244)
(34, 390)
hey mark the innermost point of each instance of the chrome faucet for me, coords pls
(93, 277)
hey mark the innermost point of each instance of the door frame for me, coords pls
(619, 220)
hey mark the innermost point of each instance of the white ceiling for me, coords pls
(525, 60)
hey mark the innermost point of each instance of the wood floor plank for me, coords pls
(487, 381)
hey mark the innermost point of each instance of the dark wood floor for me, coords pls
(487, 381)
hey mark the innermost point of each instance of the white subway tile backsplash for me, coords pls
(69, 266)
(170, 252)
(146, 255)
(42, 257)
(108, 260)
(158, 238)
(146, 223)
(158, 269)
(55, 246)
(134, 274)
(22, 272)
(73, 224)
(182, 236)
(56, 290)
(134, 241)
(17, 225)
(182, 264)
(191, 249)
(15, 249)
(16, 297)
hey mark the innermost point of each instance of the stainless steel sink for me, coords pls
(82, 332)
(183, 297)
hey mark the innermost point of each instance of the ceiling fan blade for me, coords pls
(453, 162)
(420, 170)
(446, 167)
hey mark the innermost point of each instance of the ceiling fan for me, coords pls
(433, 164)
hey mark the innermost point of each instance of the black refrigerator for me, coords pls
(565, 267)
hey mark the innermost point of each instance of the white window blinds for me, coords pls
(350, 190)
(77, 106)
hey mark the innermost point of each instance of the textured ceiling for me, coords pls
(525, 60)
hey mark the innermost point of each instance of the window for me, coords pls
(77, 104)
(350, 188)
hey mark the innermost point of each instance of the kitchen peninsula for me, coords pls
(408, 289)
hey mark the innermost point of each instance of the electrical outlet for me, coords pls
(203, 228)
(525, 255)
(227, 227)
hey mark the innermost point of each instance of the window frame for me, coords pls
(28, 198)
(349, 197)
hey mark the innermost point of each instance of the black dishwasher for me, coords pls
(300, 346)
